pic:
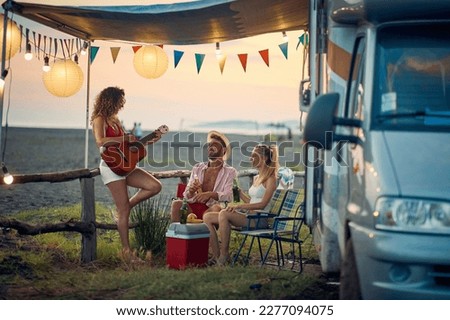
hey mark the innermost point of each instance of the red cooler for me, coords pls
(187, 245)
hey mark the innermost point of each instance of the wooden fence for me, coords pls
(88, 224)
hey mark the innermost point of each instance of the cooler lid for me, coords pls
(188, 230)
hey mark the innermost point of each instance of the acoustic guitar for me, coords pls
(122, 157)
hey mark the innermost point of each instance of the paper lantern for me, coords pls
(150, 62)
(64, 79)
(12, 38)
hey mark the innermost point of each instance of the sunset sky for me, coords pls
(181, 98)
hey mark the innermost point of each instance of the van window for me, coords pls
(412, 78)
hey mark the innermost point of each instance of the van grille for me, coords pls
(441, 275)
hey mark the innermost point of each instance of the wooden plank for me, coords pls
(89, 240)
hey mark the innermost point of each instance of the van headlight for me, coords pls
(412, 215)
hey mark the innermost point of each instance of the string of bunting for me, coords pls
(45, 46)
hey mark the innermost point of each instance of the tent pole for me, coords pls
(88, 89)
(3, 63)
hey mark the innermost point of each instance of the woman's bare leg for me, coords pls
(147, 184)
(119, 192)
(226, 219)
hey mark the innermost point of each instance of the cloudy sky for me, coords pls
(181, 98)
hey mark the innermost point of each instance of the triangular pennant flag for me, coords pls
(94, 51)
(199, 57)
(265, 55)
(284, 49)
(161, 46)
(222, 60)
(303, 39)
(136, 48)
(115, 53)
(243, 59)
(177, 56)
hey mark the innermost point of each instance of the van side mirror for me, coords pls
(321, 122)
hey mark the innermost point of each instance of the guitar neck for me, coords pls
(148, 137)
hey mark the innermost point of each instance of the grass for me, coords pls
(48, 267)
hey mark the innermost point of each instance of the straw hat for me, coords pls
(219, 136)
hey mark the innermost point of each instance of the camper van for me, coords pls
(377, 137)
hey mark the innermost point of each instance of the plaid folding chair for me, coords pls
(275, 205)
(286, 228)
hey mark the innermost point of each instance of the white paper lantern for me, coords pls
(12, 38)
(150, 62)
(64, 79)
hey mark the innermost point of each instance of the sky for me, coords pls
(181, 98)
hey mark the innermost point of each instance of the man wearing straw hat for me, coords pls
(210, 183)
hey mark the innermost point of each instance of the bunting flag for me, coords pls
(177, 56)
(199, 57)
(284, 49)
(222, 59)
(94, 51)
(303, 39)
(136, 48)
(265, 55)
(115, 53)
(243, 60)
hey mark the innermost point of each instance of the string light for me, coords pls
(7, 177)
(46, 67)
(285, 37)
(28, 54)
(218, 51)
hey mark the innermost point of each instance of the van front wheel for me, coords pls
(349, 288)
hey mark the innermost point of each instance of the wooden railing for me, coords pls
(88, 224)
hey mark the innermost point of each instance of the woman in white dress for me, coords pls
(265, 159)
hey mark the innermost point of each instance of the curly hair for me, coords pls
(108, 102)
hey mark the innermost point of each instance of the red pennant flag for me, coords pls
(265, 55)
(136, 48)
(243, 59)
(161, 46)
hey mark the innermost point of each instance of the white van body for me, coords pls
(378, 134)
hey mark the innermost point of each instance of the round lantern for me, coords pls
(150, 62)
(12, 38)
(64, 78)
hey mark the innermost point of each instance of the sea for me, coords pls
(44, 150)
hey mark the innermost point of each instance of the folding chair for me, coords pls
(286, 228)
(275, 205)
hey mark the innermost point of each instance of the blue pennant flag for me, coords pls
(199, 57)
(177, 56)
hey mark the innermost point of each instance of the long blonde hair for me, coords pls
(270, 155)
(108, 103)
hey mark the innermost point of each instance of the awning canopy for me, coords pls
(204, 21)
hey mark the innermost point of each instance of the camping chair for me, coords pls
(286, 228)
(274, 207)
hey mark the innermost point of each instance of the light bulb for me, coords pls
(84, 49)
(28, 54)
(46, 67)
(218, 51)
(8, 178)
(285, 37)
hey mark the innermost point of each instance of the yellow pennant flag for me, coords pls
(222, 60)
(115, 53)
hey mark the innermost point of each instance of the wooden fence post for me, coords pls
(89, 240)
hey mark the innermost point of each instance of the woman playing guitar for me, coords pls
(107, 129)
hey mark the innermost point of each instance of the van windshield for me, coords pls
(412, 78)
